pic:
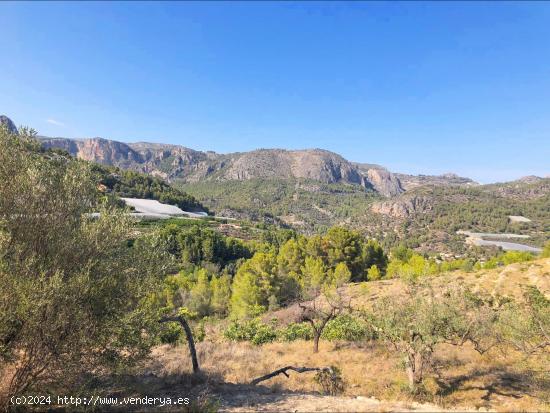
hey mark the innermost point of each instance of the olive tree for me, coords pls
(324, 302)
(525, 325)
(73, 289)
(417, 322)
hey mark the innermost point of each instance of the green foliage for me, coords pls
(416, 266)
(416, 323)
(256, 280)
(402, 253)
(341, 274)
(130, 184)
(295, 331)
(201, 294)
(373, 273)
(221, 294)
(526, 326)
(197, 244)
(345, 246)
(314, 275)
(453, 265)
(506, 258)
(266, 199)
(546, 251)
(348, 328)
(170, 333)
(74, 292)
(511, 257)
(252, 330)
(301, 267)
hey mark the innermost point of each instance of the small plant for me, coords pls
(296, 331)
(330, 380)
(170, 334)
(253, 330)
(264, 334)
(348, 328)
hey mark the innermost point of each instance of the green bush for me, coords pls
(253, 330)
(511, 257)
(170, 333)
(264, 334)
(296, 331)
(348, 328)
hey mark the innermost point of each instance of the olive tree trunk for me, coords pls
(190, 341)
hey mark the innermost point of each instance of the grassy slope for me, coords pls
(466, 380)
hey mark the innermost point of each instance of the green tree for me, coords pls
(314, 275)
(290, 258)
(345, 246)
(201, 294)
(341, 274)
(373, 254)
(401, 253)
(221, 294)
(374, 273)
(73, 291)
(254, 282)
(416, 323)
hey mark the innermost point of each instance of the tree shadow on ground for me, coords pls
(494, 381)
(200, 388)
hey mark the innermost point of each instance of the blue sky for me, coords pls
(418, 87)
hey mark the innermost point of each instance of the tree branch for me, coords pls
(284, 371)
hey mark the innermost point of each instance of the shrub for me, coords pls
(170, 333)
(348, 328)
(511, 257)
(296, 331)
(331, 381)
(253, 330)
(73, 290)
(264, 334)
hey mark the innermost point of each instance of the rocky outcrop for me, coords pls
(404, 206)
(4, 120)
(174, 162)
(314, 164)
(413, 181)
(98, 150)
(178, 163)
(380, 179)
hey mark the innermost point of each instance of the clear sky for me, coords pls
(418, 87)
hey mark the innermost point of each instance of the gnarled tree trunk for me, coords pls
(190, 340)
(415, 365)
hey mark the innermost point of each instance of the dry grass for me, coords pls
(505, 281)
(460, 378)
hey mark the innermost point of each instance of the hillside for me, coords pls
(460, 379)
(425, 218)
(183, 165)
(311, 190)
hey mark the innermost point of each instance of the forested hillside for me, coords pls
(88, 298)
(130, 184)
(426, 217)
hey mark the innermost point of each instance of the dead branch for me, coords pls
(284, 371)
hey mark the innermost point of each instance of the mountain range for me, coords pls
(313, 189)
(179, 164)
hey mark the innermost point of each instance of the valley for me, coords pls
(312, 190)
(375, 289)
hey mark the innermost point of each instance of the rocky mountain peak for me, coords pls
(4, 120)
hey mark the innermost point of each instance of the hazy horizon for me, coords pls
(420, 88)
